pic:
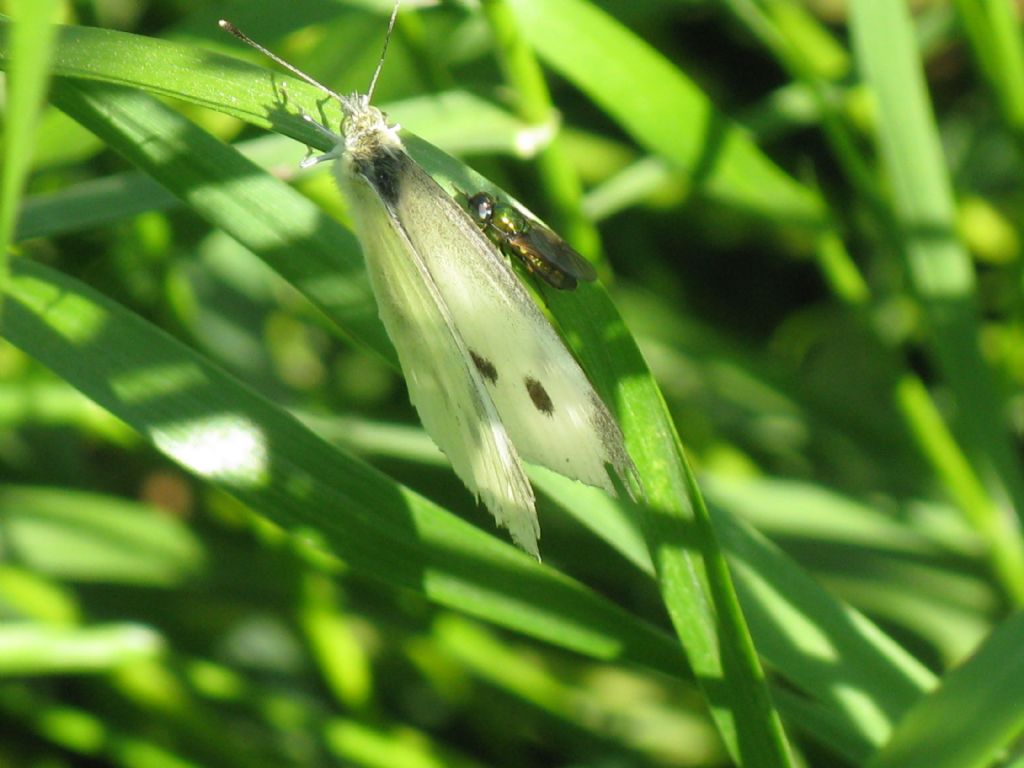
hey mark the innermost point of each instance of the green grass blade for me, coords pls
(264, 214)
(73, 535)
(221, 431)
(308, 248)
(327, 265)
(938, 265)
(668, 115)
(975, 713)
(558, 176)
(808, 54)
(692, 573)
(993, 31)
(696, 585)
(32, 39)
(863, 673)
(455, 121)
(822, 725)
(40, 649)
(90, 204)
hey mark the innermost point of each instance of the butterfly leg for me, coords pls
(310, 160)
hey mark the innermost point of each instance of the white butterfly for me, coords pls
(492, 381)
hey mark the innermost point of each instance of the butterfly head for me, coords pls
(364, 126)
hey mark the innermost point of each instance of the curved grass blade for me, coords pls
(590, 318)
(975, 713)
(40, 649)
(668, 115)
(32, 42)
(205, 169)
(939, 268)
(221, 431)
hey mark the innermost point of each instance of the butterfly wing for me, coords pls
(445, 387)
(544, 399)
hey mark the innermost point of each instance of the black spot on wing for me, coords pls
(485, 366)
(540, 397)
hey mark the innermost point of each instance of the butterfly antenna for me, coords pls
(380, 62)
(227, 26)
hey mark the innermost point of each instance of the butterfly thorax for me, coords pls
(366, 128)
(373, 152)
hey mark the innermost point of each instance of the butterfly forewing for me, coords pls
(444, 385)
(547, 404)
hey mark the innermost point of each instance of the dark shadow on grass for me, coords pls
(719, 132)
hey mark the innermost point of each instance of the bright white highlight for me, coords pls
(228, 448)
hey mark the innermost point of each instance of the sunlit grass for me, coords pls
(241, 549)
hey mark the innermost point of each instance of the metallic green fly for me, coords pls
(540, 250)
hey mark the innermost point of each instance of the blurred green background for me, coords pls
(822, 271)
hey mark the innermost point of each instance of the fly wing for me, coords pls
(547, 404)
(555, 252)
(445, 387)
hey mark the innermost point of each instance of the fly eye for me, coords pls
(482, 206)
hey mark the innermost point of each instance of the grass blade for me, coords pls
(669, 115)
(938, 265)
(974, 714)
(32, 40)
(221, 431)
